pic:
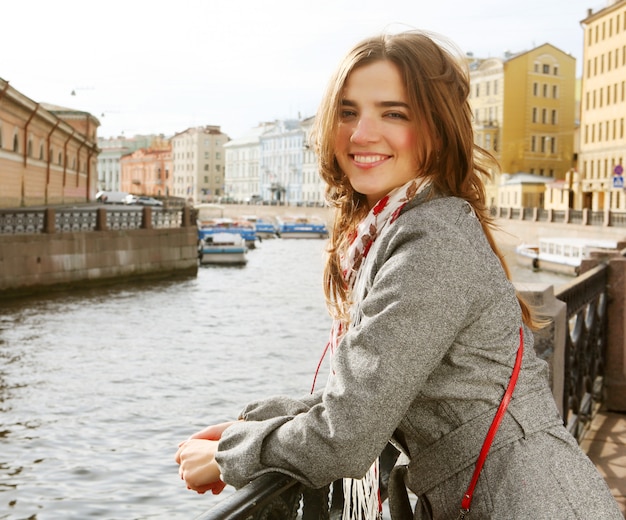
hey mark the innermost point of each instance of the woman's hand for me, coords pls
(198, 468)
(196, 459)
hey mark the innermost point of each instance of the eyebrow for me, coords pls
(383, 104)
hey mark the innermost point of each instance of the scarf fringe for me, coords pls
(362, 496)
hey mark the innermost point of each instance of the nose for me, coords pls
(366, 130)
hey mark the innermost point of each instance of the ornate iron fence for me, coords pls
(75, 220)
(22, 221)
(275, 496)
(585, 347)
(71, 220)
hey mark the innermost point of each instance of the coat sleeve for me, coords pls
(418, 299)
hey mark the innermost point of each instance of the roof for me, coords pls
(509, 179)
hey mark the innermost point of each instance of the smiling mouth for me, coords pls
(368, 159)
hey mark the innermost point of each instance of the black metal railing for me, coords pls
(585, 347)
(275, 496)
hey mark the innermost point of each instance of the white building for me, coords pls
(282, 151)
(313, 188)
(198, 163)
(274, 164)
(242, 165)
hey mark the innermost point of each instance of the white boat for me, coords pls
(302, 227)
(210, 220)
(223, 249)
(561, 255)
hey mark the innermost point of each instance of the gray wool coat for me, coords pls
(427, 366)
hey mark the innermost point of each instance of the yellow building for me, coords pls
(603, 109)
(524, 112)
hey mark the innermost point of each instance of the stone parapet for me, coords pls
(42, 262)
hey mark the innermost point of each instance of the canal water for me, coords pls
(98, 387)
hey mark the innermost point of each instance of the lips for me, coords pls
(368, 160)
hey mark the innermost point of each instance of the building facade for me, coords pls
(48, 154)
(313, 187)
(524, 110)
(242, 165)
(147, 171)
(198, 164)
(112, 149)
(282, 151)
(603, 109)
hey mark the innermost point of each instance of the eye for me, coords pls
(397, 115)
(347, 113)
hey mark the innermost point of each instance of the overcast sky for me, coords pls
(161, 66)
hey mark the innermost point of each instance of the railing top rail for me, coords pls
(250, 498)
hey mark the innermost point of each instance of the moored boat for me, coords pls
(561, 255)
(302, 227)
(211, 220)
(223, 249)
(264, 228)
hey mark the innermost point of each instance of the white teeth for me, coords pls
(369, 158)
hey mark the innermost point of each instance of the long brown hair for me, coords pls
(437, 88)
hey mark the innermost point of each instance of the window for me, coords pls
(555, 91)
(546, 68)
(556, 70)
(16, 144)
(533, 144)
(553, 145)
(544, 116)
(545, 90)
(535, 89)
(534, 114)
(554, 117)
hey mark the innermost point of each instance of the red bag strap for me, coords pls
(469, 494)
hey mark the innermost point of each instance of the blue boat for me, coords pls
(302, 227)
(264, 228)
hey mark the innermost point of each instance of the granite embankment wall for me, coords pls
(45, 262)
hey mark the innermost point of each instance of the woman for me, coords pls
(427, 326)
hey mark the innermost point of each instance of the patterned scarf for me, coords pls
(362, 497)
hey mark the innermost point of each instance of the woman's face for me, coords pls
(376, 137)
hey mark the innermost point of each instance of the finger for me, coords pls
(213, 432)
(178, 453)
(218, 487)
